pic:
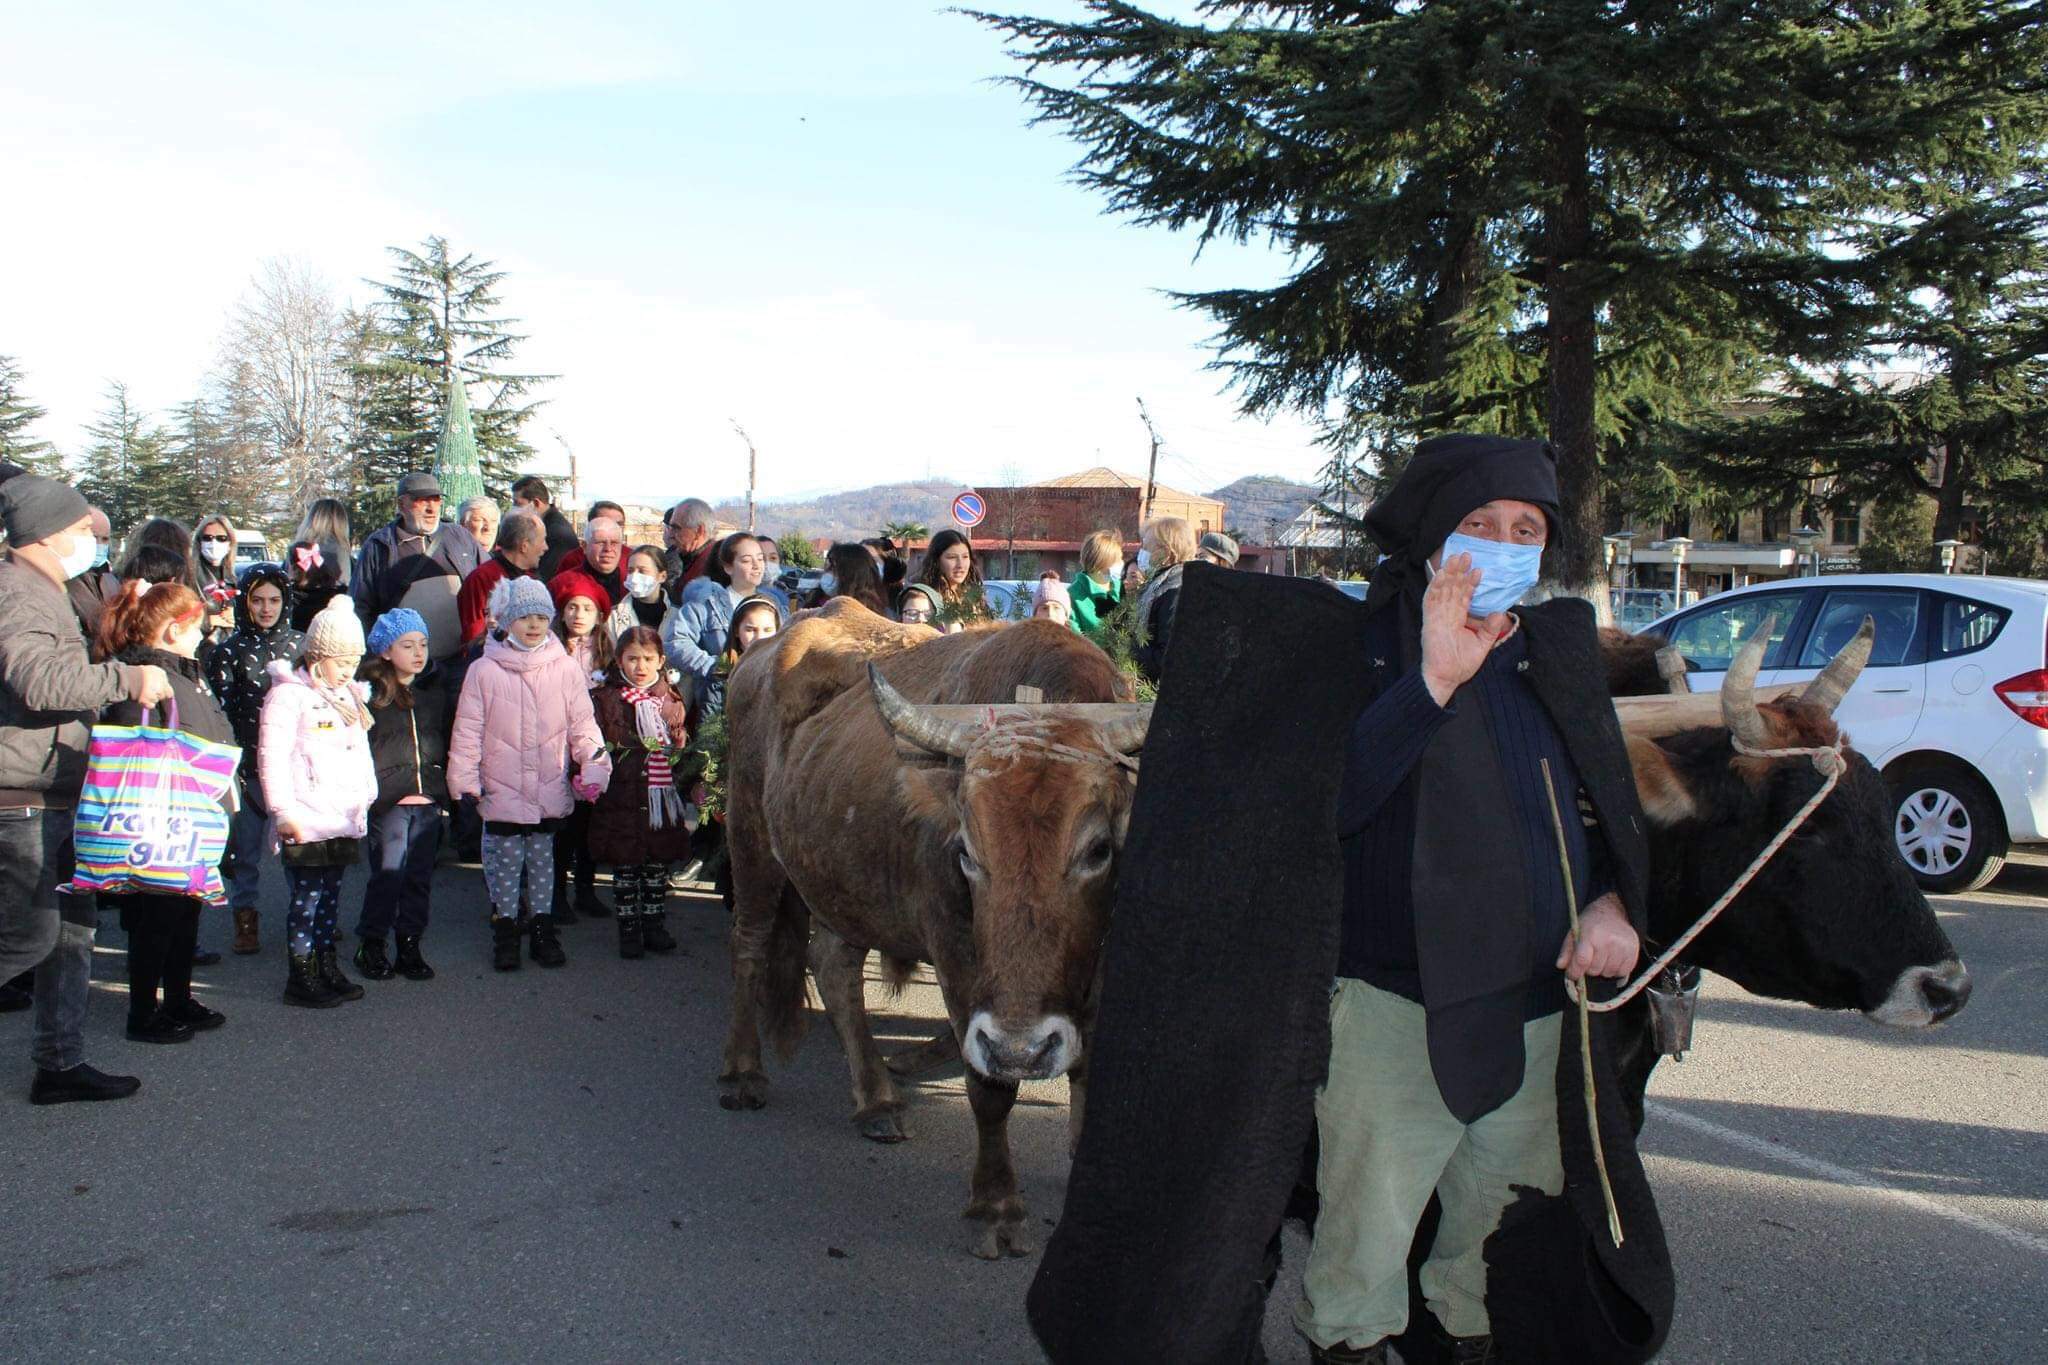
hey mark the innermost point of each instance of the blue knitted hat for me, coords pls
(392, 624)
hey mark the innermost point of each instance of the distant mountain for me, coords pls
(852, 515)
(1262, 505)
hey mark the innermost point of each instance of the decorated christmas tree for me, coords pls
(456, 465)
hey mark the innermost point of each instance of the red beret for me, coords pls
(574, 583)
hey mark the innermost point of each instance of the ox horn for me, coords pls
(919, 726)
(1738, 689)
(1127, 736)
(1834, 682)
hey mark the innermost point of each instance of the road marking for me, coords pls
(1846, 1175)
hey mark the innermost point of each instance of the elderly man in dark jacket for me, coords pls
(417, 530)
(50, 692)
(1457, 944)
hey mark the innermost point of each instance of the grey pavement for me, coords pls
(534, 1167)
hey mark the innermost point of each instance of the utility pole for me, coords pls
(1151, 466)
(575, 489)
(752, 463)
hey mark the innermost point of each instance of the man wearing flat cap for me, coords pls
(382, 574)
(50, 694)
(1456, 945)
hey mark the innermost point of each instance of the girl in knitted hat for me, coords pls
(642, 823)
(581, 606)
(1051, 600)
(313, 755)
(524, 719)
(409, 744)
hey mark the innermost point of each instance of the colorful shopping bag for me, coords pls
(150, 816)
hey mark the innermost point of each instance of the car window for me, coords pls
(1896, 612)
(1962, 625)
(1709, 637)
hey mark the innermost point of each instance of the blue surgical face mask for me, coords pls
(1507, 572)
(828, 584)
(1144, 561)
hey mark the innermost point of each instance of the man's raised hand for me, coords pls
(1454, 643)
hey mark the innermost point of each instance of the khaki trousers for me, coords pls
(1387, 1144)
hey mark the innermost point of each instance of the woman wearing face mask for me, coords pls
(951, 569)
(1099, 586)
(213, 574)
(852, 571)
(162, 624)
(1168, 544)
(645, 602)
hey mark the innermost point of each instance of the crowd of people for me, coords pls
(495, 678)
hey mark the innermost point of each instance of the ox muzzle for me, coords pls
(1038, 1052)
(1925, 995)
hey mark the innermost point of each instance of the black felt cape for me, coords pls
(1212, 1034)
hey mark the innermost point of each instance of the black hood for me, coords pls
(274, 575)
(1447, 477)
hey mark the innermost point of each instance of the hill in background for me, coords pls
(1261, 506)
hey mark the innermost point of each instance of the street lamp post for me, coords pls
(1947, 550)
(1678, 545)
(1808, 542)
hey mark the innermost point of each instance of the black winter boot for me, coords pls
(410, 964)
(546, 944)
(370, 959)
(653, 919)
(627, 891)
(303, 986)
(335, 979)
(559, 909)
(505, 943)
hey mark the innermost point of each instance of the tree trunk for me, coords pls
(1448, 301)
(1950, 499)
(1574, 563)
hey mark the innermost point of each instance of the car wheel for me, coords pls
(1948, 827)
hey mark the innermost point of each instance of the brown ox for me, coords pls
(989, 852)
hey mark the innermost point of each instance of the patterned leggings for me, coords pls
(315, 895)
(506, 857)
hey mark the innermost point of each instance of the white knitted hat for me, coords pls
(334, 633)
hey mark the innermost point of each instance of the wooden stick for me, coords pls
(1571, 902)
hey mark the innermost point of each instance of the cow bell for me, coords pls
(1673, 997)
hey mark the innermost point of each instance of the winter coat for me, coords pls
(562, 540)
(210, 579)
(523, 717)
(472, 604)
(613, 583)
(695, 637)
(315, 767)
(451, 545)
(199, 714)
(620, 834)
(409, 746)
(1093, 603)
(50, 692)
(624, 618)
(89, 593)
(1155, 620)
(308, 601)
(238, 671)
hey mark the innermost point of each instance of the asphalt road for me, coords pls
(534, 1167)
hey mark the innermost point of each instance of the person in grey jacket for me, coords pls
(50, 691)
(417, 530)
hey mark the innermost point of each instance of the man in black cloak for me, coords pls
(1386, 961)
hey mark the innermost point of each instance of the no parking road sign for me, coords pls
(969, 509)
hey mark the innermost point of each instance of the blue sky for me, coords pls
(823, 220)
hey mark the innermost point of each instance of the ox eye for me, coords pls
(1095, 857)
(968, 865)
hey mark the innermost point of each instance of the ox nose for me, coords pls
(1037, 1052)
(1946, 989)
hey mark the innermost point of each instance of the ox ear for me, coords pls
(929, 792)
(1659, 785)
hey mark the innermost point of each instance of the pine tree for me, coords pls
(17, 415)
(437, 319)
(455, 457)
(1578, 218)
(127, 469)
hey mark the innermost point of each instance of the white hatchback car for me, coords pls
(1953, 708)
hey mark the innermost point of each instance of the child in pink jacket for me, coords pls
(523, 717)
(313, 755)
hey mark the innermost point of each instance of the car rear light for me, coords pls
(2027, 695)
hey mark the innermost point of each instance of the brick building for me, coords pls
(1040, 526)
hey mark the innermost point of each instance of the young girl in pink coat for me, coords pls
(524, 717)
(313, 755)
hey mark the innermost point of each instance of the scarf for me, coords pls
(664, 803)
(344, 699)
(1471, 940)
(1168, 578)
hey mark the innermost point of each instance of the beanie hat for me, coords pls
(334, 632)
(33, 507)
(575, 583)
(924, 590)
(1051, 590)
(1220, 545)
(517, 597)
(392, 624)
